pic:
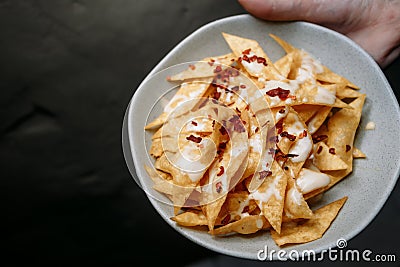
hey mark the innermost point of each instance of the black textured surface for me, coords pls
(67, 72)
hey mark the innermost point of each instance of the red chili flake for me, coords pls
(246, 52)
(279, 92)
(217, 95)
(282, 111)
(232, 59)
(253, 58)
(222, 130)
(279, 126)
(242, 86)
(291, 137)
(218, 187)
(293, 97)
(348, 148)
(217, 69)
(264, 174)
(213, 124)
(246, 209)
(266, 164)
(246, 58)
(226, 219)
(240, 59)
(319, 149)
(221, 171)
(305, 133)
(332, 151)
(291, 155)
(256, 130)
(262, 60)
(194, 138)
(194, 123)
(319, 138)
(237, 124)
(192, 67)
(286, 168)
(238, 111)
(222, 145)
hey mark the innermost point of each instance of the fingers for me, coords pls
(322, 11)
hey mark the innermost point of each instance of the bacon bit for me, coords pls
(348, 148)
(246, 209)
(282, 111)
(279, 92)
(291, 137)
(226, 219)
(237, 124)
(194, 123)
(319, 149)
(264, 174)
(246, 52)
(332, 151)
(194, 138)
(192, 67)
(217, 69)
(218, 187)
(279, 126)
(319, 138)
(243, 86)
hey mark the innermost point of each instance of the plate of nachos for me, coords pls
(252, 134)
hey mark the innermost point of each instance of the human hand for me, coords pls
(373, 24)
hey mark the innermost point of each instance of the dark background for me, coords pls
(67, 72)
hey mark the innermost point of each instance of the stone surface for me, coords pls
(68, 70)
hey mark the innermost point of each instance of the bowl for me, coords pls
(372, 179)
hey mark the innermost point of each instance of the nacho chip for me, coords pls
(190, 218)
(312, 229)
(246, 225)
(357, 153)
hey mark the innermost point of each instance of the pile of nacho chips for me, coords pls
(246, 144)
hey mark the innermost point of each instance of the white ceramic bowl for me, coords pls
(373, 178)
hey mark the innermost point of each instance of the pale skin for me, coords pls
(373, 24)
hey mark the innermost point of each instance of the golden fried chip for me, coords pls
(246, 225)
(312, 229)
(204, 68)
(252, 56)
(295, 205)
(190, 218)
(270, 196)
(324, 160)
(357, 153)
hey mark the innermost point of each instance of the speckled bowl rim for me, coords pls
(132, 159)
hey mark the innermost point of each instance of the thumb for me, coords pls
(285, 10)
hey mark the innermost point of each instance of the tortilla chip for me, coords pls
(190, 218)
(312, 229)
(239, 45)
(270, 196)
(283, 65)
(306, 112)
(246, 225)
(357, 153)
(326, 161)
(204, 68)
(295, 205)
